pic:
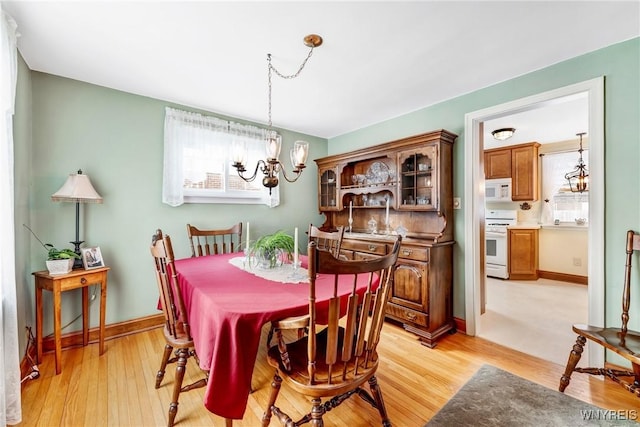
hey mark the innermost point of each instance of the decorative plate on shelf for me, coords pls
(378, 173)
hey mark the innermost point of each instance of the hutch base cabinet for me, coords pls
(400, 187)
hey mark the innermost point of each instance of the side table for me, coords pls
(64, 282)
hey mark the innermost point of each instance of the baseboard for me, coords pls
(112, 331)
(564, 277)
(461, 325)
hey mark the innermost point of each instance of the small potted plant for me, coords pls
(270, 249)
(59, 261)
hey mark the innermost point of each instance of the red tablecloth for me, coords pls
(227, 308)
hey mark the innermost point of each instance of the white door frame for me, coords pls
(474, 197)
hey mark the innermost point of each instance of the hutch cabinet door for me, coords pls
(419, 179)
(410, 285)
(328, 190)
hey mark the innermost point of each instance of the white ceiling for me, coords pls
(555, 121)
(379, 59)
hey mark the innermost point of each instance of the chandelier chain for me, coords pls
(291, 76)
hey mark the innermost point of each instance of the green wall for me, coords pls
(620, 64)
(117, 139)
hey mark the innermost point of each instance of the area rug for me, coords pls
(493, 397)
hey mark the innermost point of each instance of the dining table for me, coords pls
(228, 301)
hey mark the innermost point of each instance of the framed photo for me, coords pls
(92, 258)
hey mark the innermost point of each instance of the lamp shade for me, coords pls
(77, 188)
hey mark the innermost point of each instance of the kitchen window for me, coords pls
(563, 205)
(197, 161)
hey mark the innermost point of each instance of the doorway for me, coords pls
(474, 206)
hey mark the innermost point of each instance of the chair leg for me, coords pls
(377, 395)
(163, 364)
(317, 411)
(275, 389)
(183, 354)
(574, 358)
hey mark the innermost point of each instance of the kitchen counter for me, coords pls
(524, 226)
(565, 226)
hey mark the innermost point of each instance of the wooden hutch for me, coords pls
(412, 176)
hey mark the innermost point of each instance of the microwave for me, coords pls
(497, 190)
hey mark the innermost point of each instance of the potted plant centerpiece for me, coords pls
(59, 261)
(270, 249)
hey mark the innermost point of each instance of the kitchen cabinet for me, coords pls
(518, 162)
(497, 163)
(414, 177)
(524, 172)
(523, 253)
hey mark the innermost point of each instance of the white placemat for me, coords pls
(283, 274)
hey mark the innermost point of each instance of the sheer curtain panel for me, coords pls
(197, 161)
(10, 410)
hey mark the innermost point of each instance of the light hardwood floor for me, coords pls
(117, 388)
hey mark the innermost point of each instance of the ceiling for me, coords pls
(379, 60)
(556, 121)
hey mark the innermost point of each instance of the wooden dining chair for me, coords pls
(176, 328)
(335, 361)
(213, 242)
(620, 340)
(329, 241)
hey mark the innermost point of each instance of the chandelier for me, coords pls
(579, 177)
(271, 167)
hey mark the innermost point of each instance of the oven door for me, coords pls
(496, 255)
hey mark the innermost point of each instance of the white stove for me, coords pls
(496, 257)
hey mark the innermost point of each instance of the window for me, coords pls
(564, 205)
(197, 165)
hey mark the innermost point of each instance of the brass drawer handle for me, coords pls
(372, 248)
(83, 281)
(410, 316)
(407, 252)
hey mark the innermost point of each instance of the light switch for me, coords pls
(457, 204)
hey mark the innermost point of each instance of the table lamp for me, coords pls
(77, 188)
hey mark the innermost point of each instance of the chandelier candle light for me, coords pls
(271, 167)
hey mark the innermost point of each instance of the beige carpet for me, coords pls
(496, 398)
(534, 317)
